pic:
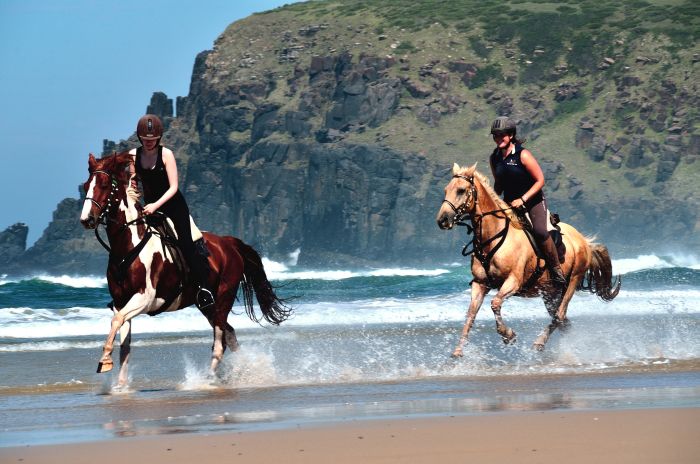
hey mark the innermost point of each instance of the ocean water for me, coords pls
(361, 343)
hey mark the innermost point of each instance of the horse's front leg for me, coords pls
(135, 306)
(105, 364)
(509, 287)
(124, 351)
(479, 291)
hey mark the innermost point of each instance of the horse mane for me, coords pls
(484, 181)
(116, 164)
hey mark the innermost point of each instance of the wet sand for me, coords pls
(617, 436)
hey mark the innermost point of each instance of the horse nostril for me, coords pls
(89, 222)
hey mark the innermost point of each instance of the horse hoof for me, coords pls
(103, 367)
(565, 325)
(457, 354)
(538, 346)
(509, 338)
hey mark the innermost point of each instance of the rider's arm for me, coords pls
(171, 171)
(533, 168)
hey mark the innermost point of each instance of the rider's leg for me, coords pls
(538, 216)
(197, 262)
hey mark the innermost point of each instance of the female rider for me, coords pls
(156, 168)
(519, 178)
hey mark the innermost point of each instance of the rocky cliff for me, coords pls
(330, 127)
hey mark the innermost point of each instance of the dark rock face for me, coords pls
(161, 105)
(360, 102)
(13, 242)
(283, 157)
(337, 204)
(66, 247)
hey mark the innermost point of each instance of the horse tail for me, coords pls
(599, 274)
(255, 280)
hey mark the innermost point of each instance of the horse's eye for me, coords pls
(461, 191)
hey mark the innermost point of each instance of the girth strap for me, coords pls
(478, 246)
(124, 264)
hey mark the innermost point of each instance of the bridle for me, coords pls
(104, 210)
(104, 217)
(464, 211)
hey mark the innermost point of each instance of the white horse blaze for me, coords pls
(87, 205)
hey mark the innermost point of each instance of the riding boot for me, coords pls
(204, 298)
(551, 258)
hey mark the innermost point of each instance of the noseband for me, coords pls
(462, 211)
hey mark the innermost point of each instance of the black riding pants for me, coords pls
(176, 209)
(539, 218)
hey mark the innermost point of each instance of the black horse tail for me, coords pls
(255, 280)
(599, 274)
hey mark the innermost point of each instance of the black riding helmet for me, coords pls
(503, 125)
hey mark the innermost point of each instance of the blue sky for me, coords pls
(74, 72)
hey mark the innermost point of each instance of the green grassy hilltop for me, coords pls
(626, 69)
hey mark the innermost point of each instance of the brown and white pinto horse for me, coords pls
(152, 280)
(504, 258)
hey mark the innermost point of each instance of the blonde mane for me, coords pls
(484, 181)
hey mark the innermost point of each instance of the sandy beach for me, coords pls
(619, 436)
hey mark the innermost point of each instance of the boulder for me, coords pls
(416, 89)
(429, 115)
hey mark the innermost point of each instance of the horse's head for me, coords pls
(460, 197)
(102, 188)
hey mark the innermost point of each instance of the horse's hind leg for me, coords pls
(230, 339)
(558, 313)
(566, 298)
(509, 287)
(224, 335)
(478, 293)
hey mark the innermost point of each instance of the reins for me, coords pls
(104, 218)
(477, 243)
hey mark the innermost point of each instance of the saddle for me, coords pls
(553, 229)
(165, 229)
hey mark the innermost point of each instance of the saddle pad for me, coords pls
(196, 233)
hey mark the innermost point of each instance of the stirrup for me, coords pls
(204, 299)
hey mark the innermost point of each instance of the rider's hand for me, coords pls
(149, 209)
(517, 203)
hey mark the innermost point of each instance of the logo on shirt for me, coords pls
(511, 162)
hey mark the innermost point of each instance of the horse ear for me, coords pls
(92, 162)
(471, 169)
(455, 169)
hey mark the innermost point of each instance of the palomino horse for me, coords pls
(503, 257)
(143, 277)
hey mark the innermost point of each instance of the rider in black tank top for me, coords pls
(513, 177)
(155, 183)
(519, 177)
(160, 193)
